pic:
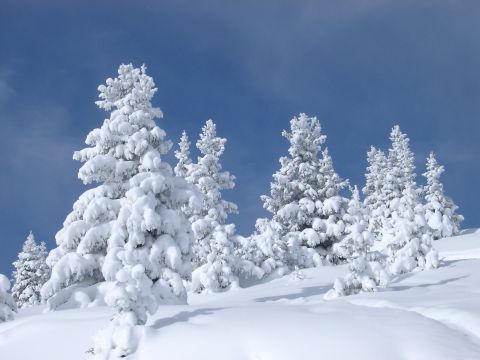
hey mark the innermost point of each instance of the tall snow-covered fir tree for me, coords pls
(183, 156)
(366, 267)
(375, 200)
(7, 304)
(111, 160)
(406, 234)
(298, 177)
(440, 210)
(31, 272)
(208, 176)
(149, 247)
(305, 199)
(214, 259)
(401, 165)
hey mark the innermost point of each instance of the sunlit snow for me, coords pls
(432, 314)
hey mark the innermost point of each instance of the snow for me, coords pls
(7, 304)
(430, 314)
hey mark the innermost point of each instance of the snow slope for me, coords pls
(426, 315)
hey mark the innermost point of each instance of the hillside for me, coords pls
(426, 315)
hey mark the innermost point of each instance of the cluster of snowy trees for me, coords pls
(147, 233)
(400, 219)
(31, 272)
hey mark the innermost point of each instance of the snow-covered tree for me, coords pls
(401, 165)
(265, 249)
(333, 206)
(298, 177)
(31, 272)
(408, 239)
(111, 160)
(358, 239)
(149, 247)
(7, 304)
(148, 256)
(374, 189)
(214, 259)
(440, 210)
(305, 199)
(405, 233)
(208, 176)
(222, 266)
(183, 156)
(363, 276)
(366, 267)
(400, 173)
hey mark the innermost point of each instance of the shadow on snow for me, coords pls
(183, 316)
(304, 293)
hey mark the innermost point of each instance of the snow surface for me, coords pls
(433, 314)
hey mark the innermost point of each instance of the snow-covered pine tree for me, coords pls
(298, 177)
(112, 159)
(31, 272)
(374, 189)
(406, 234)
(440, 210)
(333, 207)
(363, 276)
(183, 156)
(358, 239)
(7, 304)
(305, 199)
(386, 179)
(408, 239)
(215, 262)
(401, 166)
(208, 176)
(366, 267)
(265, 249)
(149, 249)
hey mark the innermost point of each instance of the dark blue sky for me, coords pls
(360, 66)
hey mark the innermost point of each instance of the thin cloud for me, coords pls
(6, 91)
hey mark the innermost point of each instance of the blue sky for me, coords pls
(360, 66)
